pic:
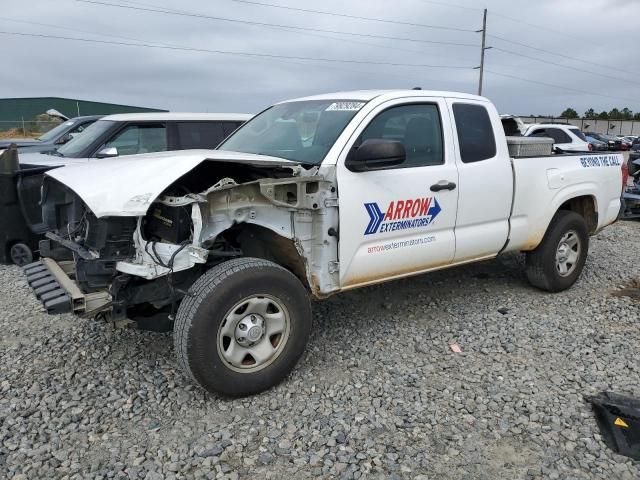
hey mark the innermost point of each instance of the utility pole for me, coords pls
(484, 47)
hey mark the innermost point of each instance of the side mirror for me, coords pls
(64, 139)
(376, 154)
(107, 152)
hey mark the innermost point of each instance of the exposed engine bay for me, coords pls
(212, 213)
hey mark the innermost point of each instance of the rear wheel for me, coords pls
(557, 262)
(242, 327)
(21, 254)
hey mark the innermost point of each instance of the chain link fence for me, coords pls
(27, 128)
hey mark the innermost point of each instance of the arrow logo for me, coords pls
(376, 216)
(434, 210)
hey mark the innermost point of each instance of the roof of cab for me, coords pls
(168, 116)
(367, 95)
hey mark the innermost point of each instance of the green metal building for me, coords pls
(15, 111)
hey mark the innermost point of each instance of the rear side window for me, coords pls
(475, 134)
(558, 135)
(200, 134)
(578, 134)
(230, 127)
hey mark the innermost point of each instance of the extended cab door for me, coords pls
(399, 220)
(485, 188)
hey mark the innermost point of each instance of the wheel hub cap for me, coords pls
(568, 253)
(249, 330)
(253, 333)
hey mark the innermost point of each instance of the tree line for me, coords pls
(614, 114)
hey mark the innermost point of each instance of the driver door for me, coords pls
(398, 220)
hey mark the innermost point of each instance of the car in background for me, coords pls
(135, 133)
(566, 138)
(57, 136)
(612, 141)
(627, 142)
(634, 154)
(21, 224)
(598, 145)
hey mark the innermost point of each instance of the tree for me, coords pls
(569, 113)
(626, 114)
(603, 115)
(636, 116)
(614, 114)
(590, 113)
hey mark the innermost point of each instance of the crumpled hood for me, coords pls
(126, 186)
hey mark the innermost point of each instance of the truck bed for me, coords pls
(548, 181)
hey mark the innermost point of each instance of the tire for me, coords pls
(257, 295)
(20, 254)
(544, 269)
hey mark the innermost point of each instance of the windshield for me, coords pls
(55, 132)
(76, 146)
(299, 131)
(578, 134)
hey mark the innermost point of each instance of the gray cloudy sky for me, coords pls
(600, 31)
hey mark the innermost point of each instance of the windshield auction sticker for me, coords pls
(345, 107)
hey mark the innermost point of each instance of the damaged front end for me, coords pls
(145, 260)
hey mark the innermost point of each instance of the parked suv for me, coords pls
(21, 225)
(566, 138)
(57, 136)
(133, 133)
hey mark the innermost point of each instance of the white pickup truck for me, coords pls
(311, 197)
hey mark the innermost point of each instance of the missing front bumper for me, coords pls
(59, 293)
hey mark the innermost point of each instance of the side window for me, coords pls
(475, 134)
(79, 128)
(230, 127)
(539, 132)
(200, 134)
(417, 126)
(558, 135)
(143, 138)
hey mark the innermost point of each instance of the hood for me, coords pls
(44, 160)
(20, 142)
(126, 186)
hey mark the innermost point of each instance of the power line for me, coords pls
(50, 25)
(568, 57)
(570, 89)
(563, 65)
(228, 52)
(276, 25)
(452, 5)
(354, 17)
(339, 39)
(533, 25)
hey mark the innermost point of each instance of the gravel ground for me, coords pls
(379, 394)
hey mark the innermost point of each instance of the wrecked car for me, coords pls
(311, 197)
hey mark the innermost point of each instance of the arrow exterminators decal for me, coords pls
(401, 215)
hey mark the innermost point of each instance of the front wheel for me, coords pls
(557, 262)
(242, 327)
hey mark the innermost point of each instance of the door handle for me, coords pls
(443, 185)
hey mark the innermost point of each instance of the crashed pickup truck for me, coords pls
(312, 197)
